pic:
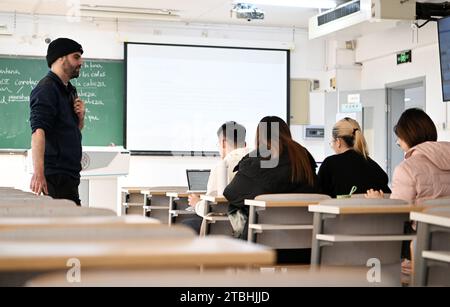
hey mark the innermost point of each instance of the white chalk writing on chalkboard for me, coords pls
(14, 89)
(100, 86)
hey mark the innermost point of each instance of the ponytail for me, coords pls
(360, 144)
(350, 132)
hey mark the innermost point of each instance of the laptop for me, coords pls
(197, 180)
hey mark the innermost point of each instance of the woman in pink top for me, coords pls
(425, 172)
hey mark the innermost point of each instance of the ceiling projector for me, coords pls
(247, 11)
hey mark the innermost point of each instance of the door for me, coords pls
(401, 96)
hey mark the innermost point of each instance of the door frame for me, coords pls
(390, 137)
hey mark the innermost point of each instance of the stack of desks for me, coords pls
(132, 200)
(149, 201)
(167, 204)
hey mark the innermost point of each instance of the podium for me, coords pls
(101, 167)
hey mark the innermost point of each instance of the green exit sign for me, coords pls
(404, 57)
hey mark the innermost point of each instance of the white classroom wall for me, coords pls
(105, 40)
(377, 53)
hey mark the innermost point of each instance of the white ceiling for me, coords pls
(195, 11)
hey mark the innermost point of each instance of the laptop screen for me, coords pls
(197, 179)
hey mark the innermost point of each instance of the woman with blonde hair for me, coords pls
(351, 165)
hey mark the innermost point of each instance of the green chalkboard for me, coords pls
(100, 86)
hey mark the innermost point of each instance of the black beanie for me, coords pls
(61, 47)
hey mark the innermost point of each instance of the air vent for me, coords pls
(339, 13)
(360, 17)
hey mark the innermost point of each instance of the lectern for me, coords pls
(101, 167)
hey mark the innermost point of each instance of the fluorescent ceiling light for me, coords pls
(108, 11)
(126, 9)
(321, 4)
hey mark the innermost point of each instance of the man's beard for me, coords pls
(73, 72)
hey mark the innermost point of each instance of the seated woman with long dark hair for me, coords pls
(278, 165)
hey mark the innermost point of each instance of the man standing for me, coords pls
(56, 118)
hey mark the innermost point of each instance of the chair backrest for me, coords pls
(292, 197)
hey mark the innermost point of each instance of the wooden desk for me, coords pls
(156, 201)
(34, 202)
(215, 251)
(352, 209)
(216, 209)
(91, 233)
(19, 194)
(282, 220)
(351, 231)
(432, 247)
(4, 198)
(214, 204)
(267, 277)
(179, 209)
(132, 200)
(61, 222)
(135, 196)
(438, 202)
(51, 209)
(134, 189)
(214, 199)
